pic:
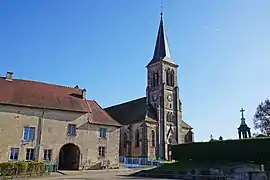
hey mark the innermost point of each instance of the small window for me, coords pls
(125, 140)
(155, 78)
(137, 138)
(29, 133)
(172, 78)
(71, 129)
(153, 138)
(29, 154)
(101, 151)
(103, 132)
(47, 155)
(168, 77)
(14, 154)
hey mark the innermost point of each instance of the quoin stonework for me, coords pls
(153, 123)
(52, 123)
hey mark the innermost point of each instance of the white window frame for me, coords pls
(34, 134)
(46, 154)
(71, 131)
(11, 153)
(103, 132)
(32, 150)
(102, 151)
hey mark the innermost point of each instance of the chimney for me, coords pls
(9, 76)
(84, 93)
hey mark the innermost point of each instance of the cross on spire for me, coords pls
(242, 112)
(161, 7)
(162, 51)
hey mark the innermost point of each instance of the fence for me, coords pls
(51, 167)
(139, 162)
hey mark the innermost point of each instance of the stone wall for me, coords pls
(51, 133)
(131, 149)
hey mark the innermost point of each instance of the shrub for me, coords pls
(255, 149)
(22, 168)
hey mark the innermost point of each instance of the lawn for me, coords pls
(173, 167)
(188, 165)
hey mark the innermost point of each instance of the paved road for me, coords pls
(94, 175)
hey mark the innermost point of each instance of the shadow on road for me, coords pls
(134, 177)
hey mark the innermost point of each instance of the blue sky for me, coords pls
(222, 48)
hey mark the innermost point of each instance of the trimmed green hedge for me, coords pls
(255, 149)
(22, 168)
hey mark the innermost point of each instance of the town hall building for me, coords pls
(153, 123)
(55, 124)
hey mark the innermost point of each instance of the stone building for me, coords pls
(153, 123)
(46, 122)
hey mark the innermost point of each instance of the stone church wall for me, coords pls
(183, 133)
(152, 148)
(130, 149)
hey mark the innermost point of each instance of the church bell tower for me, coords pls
(163, 93)
(243, 130)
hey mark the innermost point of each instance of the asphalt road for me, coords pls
(94, 175)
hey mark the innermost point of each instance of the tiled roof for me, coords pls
(42, 95)
(100, 116)
(135, 111)
(131, 112)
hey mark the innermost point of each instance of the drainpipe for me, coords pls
(39, 135)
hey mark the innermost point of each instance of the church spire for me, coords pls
(162, 51)
(243, 130)
(243, 122)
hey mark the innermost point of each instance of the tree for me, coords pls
(261, 119)
(220, 138)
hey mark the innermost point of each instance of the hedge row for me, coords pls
(255, 149)
(22, 168)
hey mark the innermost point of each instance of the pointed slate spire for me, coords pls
(162, 51)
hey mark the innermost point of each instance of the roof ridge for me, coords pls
(125, 102)
(41, 107)
(45, 83)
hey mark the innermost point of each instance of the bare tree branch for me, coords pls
(261, 119)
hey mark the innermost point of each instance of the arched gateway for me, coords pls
(69, 157)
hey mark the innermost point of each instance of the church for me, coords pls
(153, 123)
